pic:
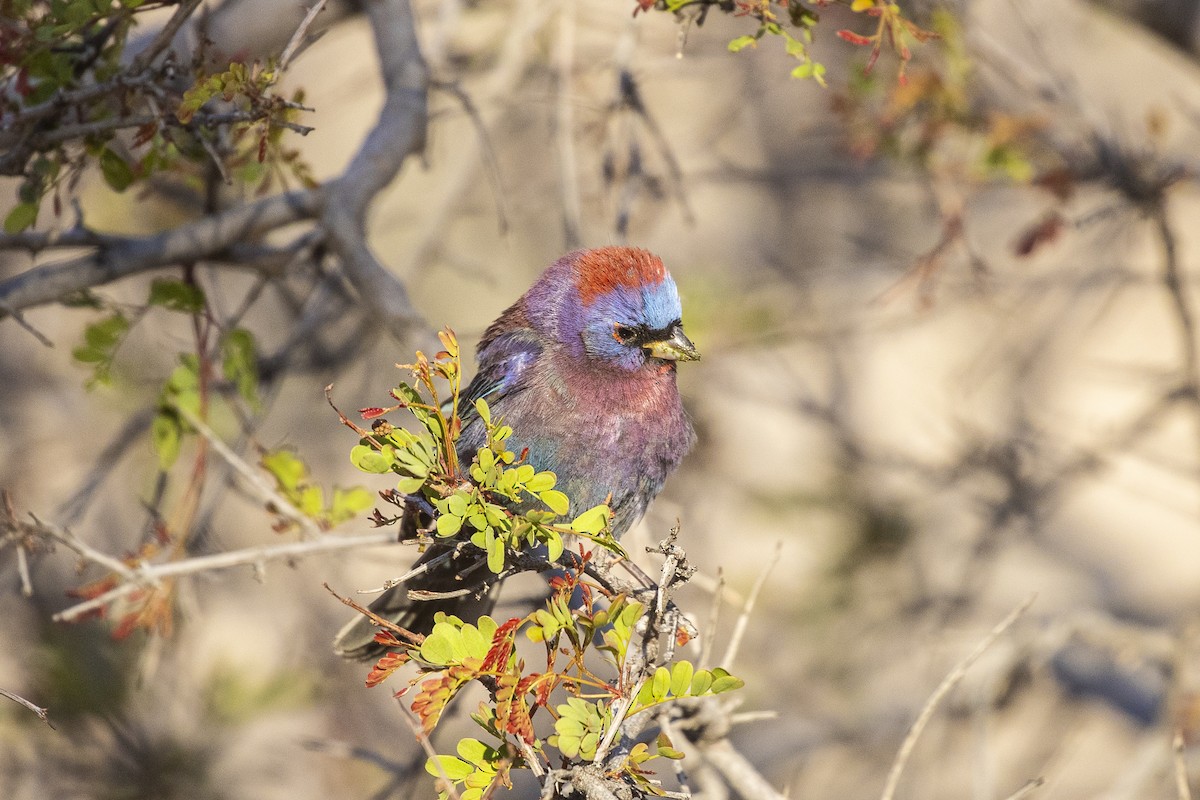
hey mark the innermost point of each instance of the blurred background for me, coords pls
(949, 347)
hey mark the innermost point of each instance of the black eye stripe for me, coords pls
(640, 334)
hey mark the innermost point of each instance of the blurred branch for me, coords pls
(399, 132)
(739, 629)
(120, 256)
(949, 682)
(518, 49)
(261, 486)
(1181, 774)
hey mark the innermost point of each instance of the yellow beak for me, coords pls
(676, 348)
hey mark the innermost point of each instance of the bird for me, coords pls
(582, 367)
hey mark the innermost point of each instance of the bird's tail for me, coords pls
(454, 582)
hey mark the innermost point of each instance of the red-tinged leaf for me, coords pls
(94, 589)
(431, 701)
(127, 625)
(1059, 182)
(541, 692)
(512, 712)
(1044, 232)
(262, 148)
(384, 667)
(145, 133)
(388, 639)
(871, 60)
(854, 38)
(682, 636)
(371, 412)
(502, 647)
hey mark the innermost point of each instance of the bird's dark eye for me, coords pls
(624, 333)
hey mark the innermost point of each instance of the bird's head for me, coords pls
(621, 309)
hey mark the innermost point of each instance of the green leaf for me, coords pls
(368, 459)
(666, 749)
(453, 767)
(724, 682)
(437, 649)
(741, 43)
(166, 434)
(591, 521)
(485, 413)
(681, 678)
(448, 525)
(349, 503)
(117, 172)
(105, 334)
(495, 553)
(554, 546)
(701, 682)
(409, 485)
(541, 482)
(288, 470)
(21, 217)
(660, 683)
(241, 362)
(176, 295)
(556, 501)
(311, 501)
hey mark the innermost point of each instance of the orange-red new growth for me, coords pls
(502, 646)
(384, 667)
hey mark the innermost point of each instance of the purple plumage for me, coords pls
(582, 368)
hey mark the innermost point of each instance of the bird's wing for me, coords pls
(502, 362)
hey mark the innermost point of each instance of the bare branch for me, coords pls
(949, 682)
(261, 486)
(42, 713)
(301, 31)
(255, 556)
(399, 132)
(165, 36)
(1027, 789)
(742, 776)
(739, 629)
(1181, 774)
(118, 257)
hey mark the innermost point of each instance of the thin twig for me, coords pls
(739, 629)
(84, 550)
(948, 683)
(742, 776)
(708, 637)
(1181, 773)
(42, 713)
(255, 556)
(1027, 789)
(165, 36)
(427, 746)
(300, 33)
(19, 318)
(564, 123)
(261, 486)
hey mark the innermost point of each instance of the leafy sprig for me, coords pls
(506, 509)
(474, 502)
